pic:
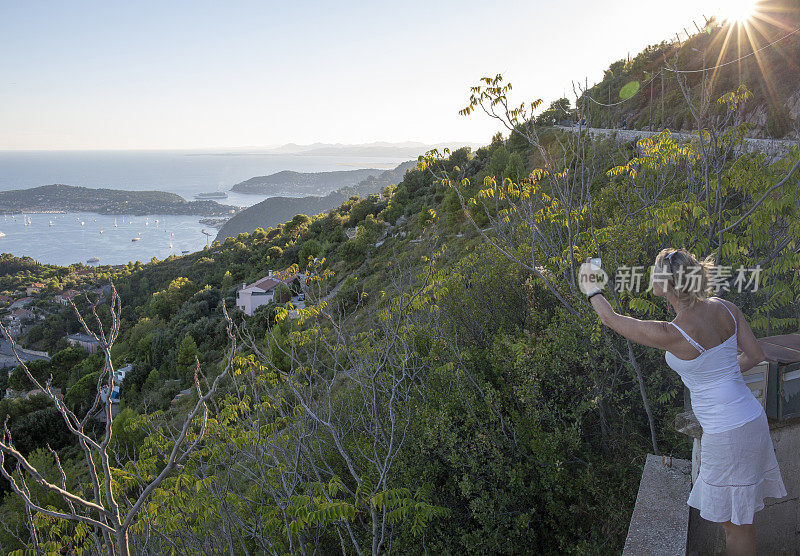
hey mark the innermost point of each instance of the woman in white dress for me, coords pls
(738, 468)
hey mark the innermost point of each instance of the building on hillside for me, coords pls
(103, 291)
(66, 296)
(16, 318)
(101, 414)
(85, 341)
(114, 394)
(121, 373)
(11, 393)
(261, 292)
(181, 394)
(21, 302)
(18, 315)
(34, 288)
(37, 391)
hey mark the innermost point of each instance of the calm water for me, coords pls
(183, 172)
(67, 241)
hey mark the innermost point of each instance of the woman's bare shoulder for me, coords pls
(729, 304)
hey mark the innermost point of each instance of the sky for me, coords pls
(244, 74)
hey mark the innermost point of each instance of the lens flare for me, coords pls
(739, 11)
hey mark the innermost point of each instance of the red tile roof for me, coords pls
(269, 282)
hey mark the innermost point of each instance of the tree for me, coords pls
(107, 514)
(558, 111)
(187, 356)
(311, 248)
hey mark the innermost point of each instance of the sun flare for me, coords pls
(738, 11)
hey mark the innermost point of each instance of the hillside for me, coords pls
(438, 383)
(72, 198)
(772, 75)
(501, 401)
(302, 183)
(276, 210)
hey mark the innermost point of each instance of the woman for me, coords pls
(738, 468)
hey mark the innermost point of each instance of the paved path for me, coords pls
(8, 359)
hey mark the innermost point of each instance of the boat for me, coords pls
(206, 232)
(213, 195)
(135, 239)
(93, 260)
(83, 223)
(51, 222)
(2, 234)
(101, 231)
(115, 222)
(184, 252)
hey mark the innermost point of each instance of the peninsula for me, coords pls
(295, 184)
(71, 198)
(276, 210)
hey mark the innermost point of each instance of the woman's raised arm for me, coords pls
(652, 333)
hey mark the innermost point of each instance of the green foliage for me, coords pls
(187, 354)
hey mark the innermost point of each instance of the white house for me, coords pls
(259, 293)
(121, 373)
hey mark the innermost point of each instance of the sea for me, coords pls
(66, 238)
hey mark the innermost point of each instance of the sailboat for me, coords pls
(82, 222)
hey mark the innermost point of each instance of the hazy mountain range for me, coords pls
(406, 149)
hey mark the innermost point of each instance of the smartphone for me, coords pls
(596, 262)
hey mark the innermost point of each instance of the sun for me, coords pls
(739, 11)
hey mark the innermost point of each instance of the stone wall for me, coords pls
(660, 520)
(773, 148)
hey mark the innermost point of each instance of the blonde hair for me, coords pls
(688, 276)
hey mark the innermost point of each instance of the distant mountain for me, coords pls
(278, 210)
(72, 198)
(405, 149)
(308, 183)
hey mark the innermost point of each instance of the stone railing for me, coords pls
(773, 148)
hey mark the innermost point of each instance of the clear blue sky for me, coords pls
(169, 74)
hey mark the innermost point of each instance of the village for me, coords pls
(22, 309)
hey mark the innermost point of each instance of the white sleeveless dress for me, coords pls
(738, 467)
